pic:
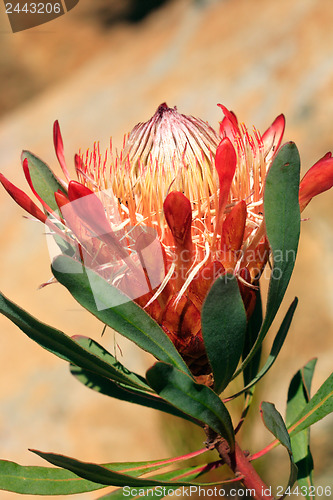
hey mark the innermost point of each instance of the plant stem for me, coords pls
(240, 464)
(252, 481)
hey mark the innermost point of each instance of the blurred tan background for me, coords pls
(100, 69)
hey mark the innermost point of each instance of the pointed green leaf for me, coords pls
(251, 335)
(299, 391)
(275, 424)
(137, 469)
(63, 346)
(298, 397)
(223, 328)
(43, 179)
(31, 480)
(317, 408)
(282, 220)
(196, 400)
(105, 475)
(126, 393)
(123, 375)
(276, 347)
(125, 317)
(251, 370)
(307, 375)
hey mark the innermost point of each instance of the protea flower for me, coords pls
(199, 191)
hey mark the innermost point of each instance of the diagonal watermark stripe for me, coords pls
(126, 256)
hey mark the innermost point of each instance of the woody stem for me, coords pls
(240, 465)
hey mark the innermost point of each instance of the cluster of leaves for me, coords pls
(168, 385)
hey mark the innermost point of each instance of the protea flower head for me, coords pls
(192, 195)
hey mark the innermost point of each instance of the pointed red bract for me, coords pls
(60, 198)
(317, 180)
(90, 210)
(29, 206)
(76, 190)
(79, 165)
(233, 235)
(22, 199)
(273, 136)
(225, 163)
(248, 294)
(178, 214)
(181, 322)
(229, 125)
(92, 214)
(59, 149)
(202, 282)
(233, 227)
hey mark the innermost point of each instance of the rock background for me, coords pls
(100, 69)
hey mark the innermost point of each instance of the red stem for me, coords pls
(240, 464)
(252, 481)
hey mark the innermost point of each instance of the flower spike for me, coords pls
(163, 249)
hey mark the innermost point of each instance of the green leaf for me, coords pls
(251, 335)
(223, 322)
(275, 424)
(123, 374)
(125, 393)
(126, 317)
(65, 247)
(317, 408)
(43, 179)
(298, 397)
(276, 347)
(157, 492)
(196, 400)
(63, 346)
(307, 375)
(105, 475)
(131, 493)
(31, 480)
(299, 391)
(250, 371)
(282, 219)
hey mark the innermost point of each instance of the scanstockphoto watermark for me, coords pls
(217, 491)
(24, 14)
(131, 258)
(188, 491)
